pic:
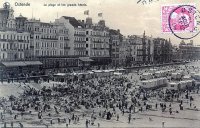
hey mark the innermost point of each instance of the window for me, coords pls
(86, 39)
(86, 45)
(3, 56)
(87, 32)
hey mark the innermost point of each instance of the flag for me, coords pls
(86, 12)
(100, 14)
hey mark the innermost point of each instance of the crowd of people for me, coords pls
(89, 100)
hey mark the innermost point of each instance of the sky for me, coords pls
(130, 17)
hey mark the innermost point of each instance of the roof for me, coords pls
(173, 83)
(46, 24)
(13, 63)
(117, 73)
(152, 80)
(120, 69)
(114, 32)
(85, 59)
(60, 74)
(146, 73)
(96, 71)
(20, 63)
(73, 21)
(32, 62)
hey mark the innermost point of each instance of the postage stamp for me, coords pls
(178, 18)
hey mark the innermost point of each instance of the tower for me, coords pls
(4, 14)
(11, 20)
(20, 23)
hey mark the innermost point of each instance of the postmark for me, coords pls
(187, 21)
(181, 19)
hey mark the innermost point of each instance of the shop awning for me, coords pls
(33, 62)
(20, 63)
(85, 59)
(14, 64)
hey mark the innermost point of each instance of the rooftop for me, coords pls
(73, 21)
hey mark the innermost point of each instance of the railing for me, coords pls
(79, 34)
(82, 48)
(79, 41)
(66, 47)
(49, 38)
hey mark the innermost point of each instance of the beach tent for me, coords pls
(176, 75)
(154, 83)
(173, 86)
(146, 76)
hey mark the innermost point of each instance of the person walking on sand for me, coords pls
(86, 123)
(117, 117)
(163, 124)
(129, 118)
(11, 124)
(170, 110)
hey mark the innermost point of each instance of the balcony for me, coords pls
(66, 39)
(21, 40)
(4, 49)
(80, 35)
(31, 46)
(99, 48)
(49, 38)
(79, 41)
(99, 41)
(6, 40)
(81, 48)
(20, 50)
(66, 47)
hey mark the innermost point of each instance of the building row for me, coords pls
(68, 42)
(142, 49)
(186, 51)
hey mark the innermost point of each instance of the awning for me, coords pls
(60, 74)
(33, 62)
(120, 69)
(85, 59)
(117, 73)
(14, 64)
(20, 63)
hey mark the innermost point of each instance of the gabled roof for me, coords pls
(73, 21)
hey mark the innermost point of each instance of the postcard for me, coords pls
(99, 63)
